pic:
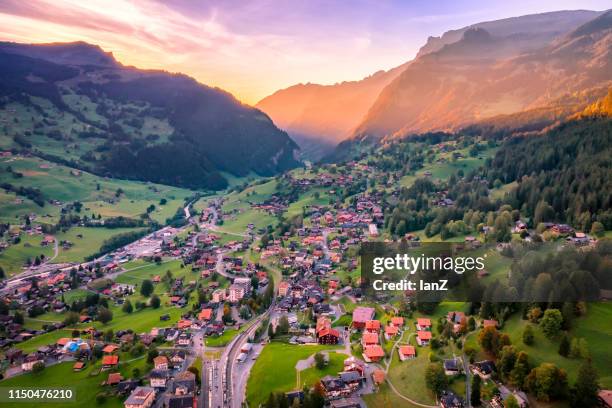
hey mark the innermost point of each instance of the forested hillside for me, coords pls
(72, 103)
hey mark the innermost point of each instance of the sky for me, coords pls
(253, 48)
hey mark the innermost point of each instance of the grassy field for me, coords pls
(594, 327)
(98, 194)
(86, 384)
(226, 337)
(86, 245)
(275, 371)
(14, 257)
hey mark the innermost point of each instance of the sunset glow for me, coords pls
(253, 48)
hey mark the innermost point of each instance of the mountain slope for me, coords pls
(482, 76)
(319, 116)
(73, 103)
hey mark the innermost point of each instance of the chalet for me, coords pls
(184, 383)
(345, 403)
(373, 353)
(361, 315)
(448, 399)
(334, 388)
(180, 401)
(183, 324)
(78, 366)
(457, 319)
(218, 295)
(30, 360)
(605, 398)
(369, 339)
(423, 337)
(205, 315)
(391, 331)
(490, 323)
(110, 348)
(397, 321)
(160, 363)
(354, 364)
(158, 378)
(504, 393)
(141, 397)
(483, 369)
(423, 324)
(109, 362)
(372, 326)
(452, 366)
(378, 376)
(328, 336)
(114, 379)
(178, 358)
(562, 229)
(406, 352)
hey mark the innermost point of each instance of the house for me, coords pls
(110, 348)
(450, 400)
(354, 364)
(378, 376)
(483, 369)
(158, 378)
(114, 379)
(30, 360)
(205, 315)
(283, 288)
(504, 393)
(490, 323)
(423, 324)
(452, 366)
(218, 295)
(423, 337)
(328, 336)
(406, 352)
(361, 315)
(397, 321)
(373, 353)
(184, 340)
(183, 324)
(369, 339)
(391, 331)
(184, 383)
(345, 403)
(180, 401)
(334, 387)
(109, 362)
(236, 293)
(605, 398)
(160, 363)
(141, 397)
(372, 326)
(78, 366)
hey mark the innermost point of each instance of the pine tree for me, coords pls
(475, 395)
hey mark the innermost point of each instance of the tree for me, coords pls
(511, 402)
(155, 302)
(127, 307)
(547, 382)
(435, 379)
(551, 323)
(196, 372)
(270, 331)
(528, 335)
(598, 229)
(506, 361)
(71, 318)
(108, 335)
(319, 361)
(521, 369)
(584, 392)
(38, 367)
(564, 346)
(105, 315)
(475, 395)
(147, 288)
(2, 273)
(283, 325)
(151, 354)
(18, 318)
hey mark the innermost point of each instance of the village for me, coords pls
(187, 316)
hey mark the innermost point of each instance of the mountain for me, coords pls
(319, 116)
(536, 30)
(75, 104)
(483, 75)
